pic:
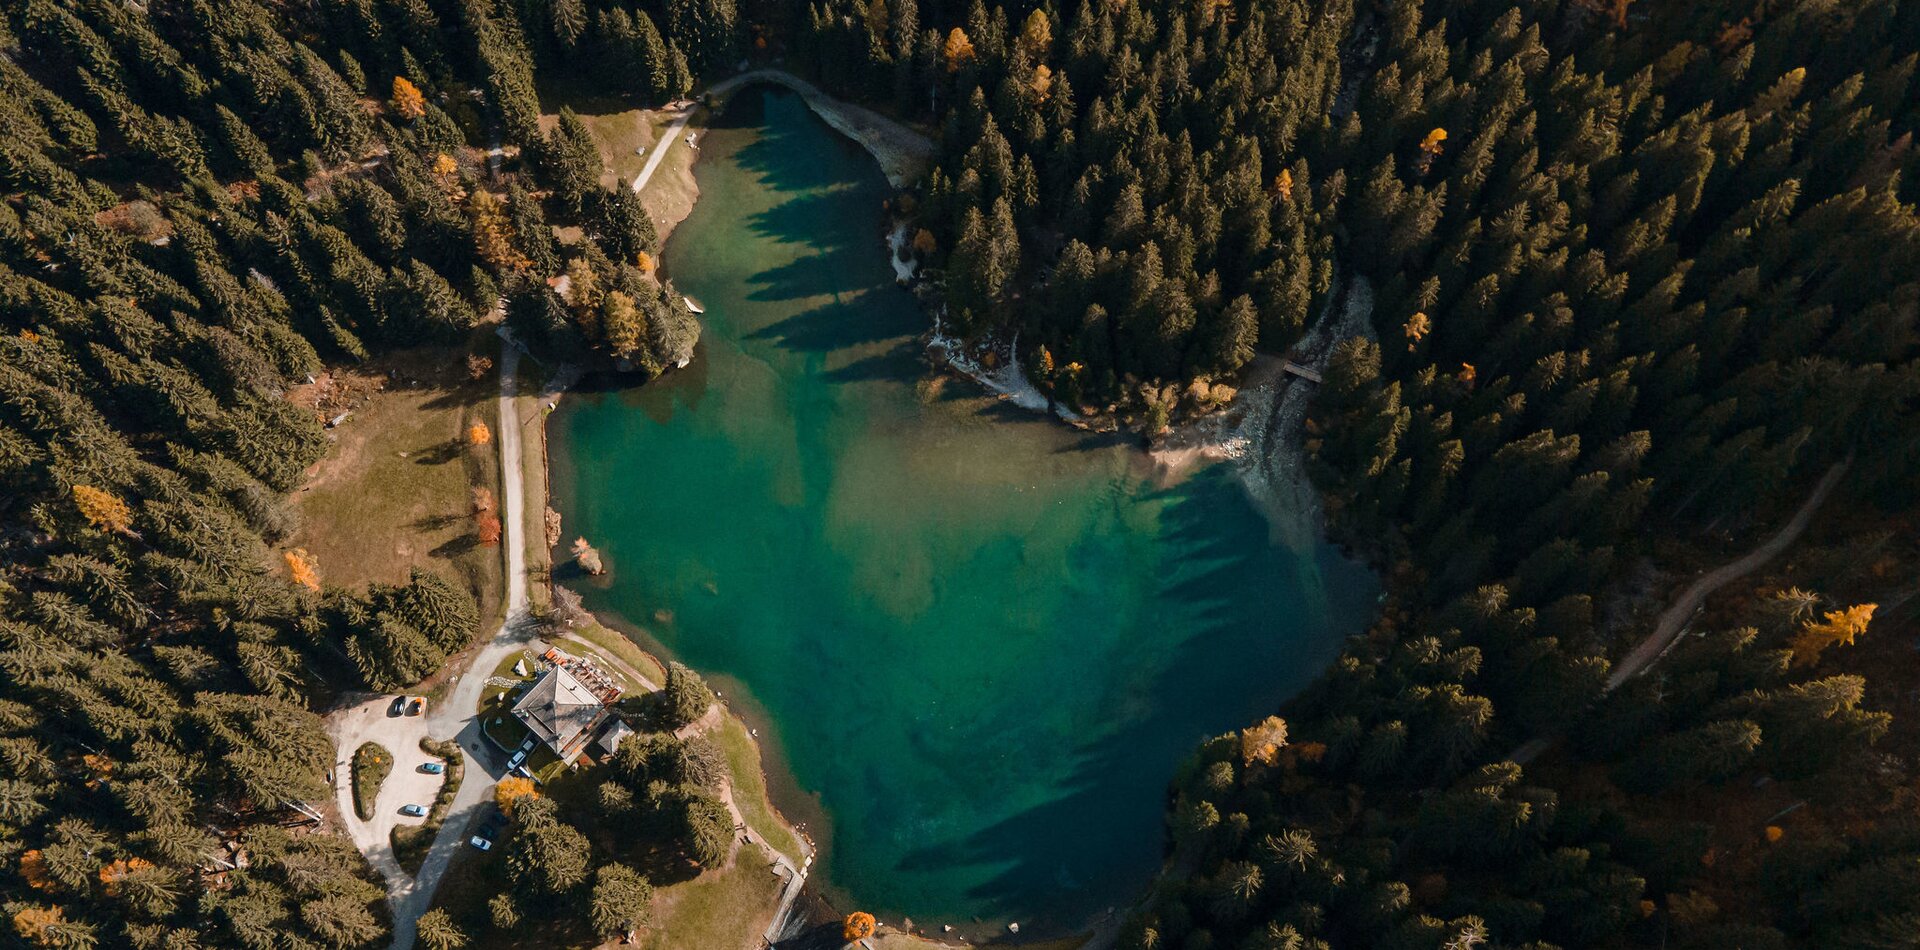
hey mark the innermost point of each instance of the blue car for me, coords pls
(413, 811)
(433, 768)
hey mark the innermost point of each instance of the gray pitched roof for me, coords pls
(558, 708)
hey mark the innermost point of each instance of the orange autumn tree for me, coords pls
(303, 569)
(113, 874)
(479, 434)
(103, 509)
(408, 103)
(958, 50)
(511, 791)
(1838, 629)
(487, 526)
(33, 869)
(33, 923)
(859, 926)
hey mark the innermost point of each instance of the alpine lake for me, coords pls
(977, 644)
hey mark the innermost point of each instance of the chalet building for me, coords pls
(568, 705)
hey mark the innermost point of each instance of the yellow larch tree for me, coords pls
(478, 434)
(33, 869)
(1041, 85)
(304, 570)
(31, 923)
(103, 509)
(407, 101)
(1839, 628)
(511, 791)
(1418, 326)
(958, 50)
(493, 233)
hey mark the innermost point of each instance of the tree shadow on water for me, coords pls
(830, 327)
(1235, 654)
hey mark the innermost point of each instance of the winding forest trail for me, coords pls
(1673, 621)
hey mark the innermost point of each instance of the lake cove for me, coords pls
(979, 643)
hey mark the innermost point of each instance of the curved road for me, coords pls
(1673, 621)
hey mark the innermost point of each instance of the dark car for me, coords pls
(417, 706)
(399, 706)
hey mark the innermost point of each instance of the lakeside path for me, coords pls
(458, 713)
(1673, 621)
(904, 155)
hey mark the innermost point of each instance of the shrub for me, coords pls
(371, 765)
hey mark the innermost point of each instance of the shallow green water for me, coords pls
(979, 643)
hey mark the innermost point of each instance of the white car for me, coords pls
(520, 755)
(481, 843)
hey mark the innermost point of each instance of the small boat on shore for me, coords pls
(694, 307)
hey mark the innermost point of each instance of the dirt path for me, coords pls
(1673, 621)
(456, 714)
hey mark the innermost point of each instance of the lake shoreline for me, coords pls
(1219, 436)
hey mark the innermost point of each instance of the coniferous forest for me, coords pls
(1642, 275)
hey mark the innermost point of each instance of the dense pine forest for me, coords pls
(1642, 272)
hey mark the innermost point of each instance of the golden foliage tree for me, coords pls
(511, 791)
(1036, 34)
(482, 498)
(479, 434)
(644, 261)
(1468, 374)
(493, 233)
(302, 567)
(33, 869)
(858, 926)
(115, 873)
(1418, 326)
(623, 323)
(408, 103)
(1283, 184)
(1041, 85)
(103, 509)
(32, 923)
(1261, 742)
(1839, 628)
(958, 50)
(924, 242)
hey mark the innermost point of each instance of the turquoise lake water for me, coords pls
(977, 643)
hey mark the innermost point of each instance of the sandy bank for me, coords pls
(904, 155)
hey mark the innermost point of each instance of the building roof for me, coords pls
(560, 710)
(613, 735)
